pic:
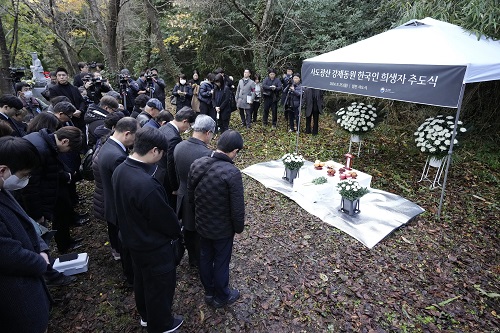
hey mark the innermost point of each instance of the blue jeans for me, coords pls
(215, 256)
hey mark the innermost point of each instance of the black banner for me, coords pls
(425, 84)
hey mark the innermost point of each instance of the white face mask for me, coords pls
(13, 183)
(28, 94)
(182, 81)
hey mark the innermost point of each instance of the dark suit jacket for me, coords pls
(184, 154)
(110, 156)
(25, 302)
(17, 131)
(69, 91)
(313, 96)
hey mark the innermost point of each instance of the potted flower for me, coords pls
(358, 119)
(293, 162)
(433, 137)
(351, 191)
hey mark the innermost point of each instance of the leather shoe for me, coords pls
(60, 280)
(234, 294)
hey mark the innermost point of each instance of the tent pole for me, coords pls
(450, 151)
(298, 124)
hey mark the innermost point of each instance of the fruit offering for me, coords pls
(330, 172)
(342, 170)
(318, 165)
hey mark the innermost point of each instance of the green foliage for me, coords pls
(480, 17)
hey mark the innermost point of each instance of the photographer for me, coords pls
(95, 87)
(128, 88)
(84, 70)
(153, 86)
(292, 101)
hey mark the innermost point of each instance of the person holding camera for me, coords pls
(95, 86)
(292, 101)
(271, 87)
(152, 85)
(84, 70)
(129, 90)
(183, 93)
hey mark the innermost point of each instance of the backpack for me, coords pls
(86, 165)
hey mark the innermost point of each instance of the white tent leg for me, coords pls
(450, 151)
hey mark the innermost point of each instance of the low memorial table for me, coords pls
(381, 212)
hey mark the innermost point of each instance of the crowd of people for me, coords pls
(153, 189)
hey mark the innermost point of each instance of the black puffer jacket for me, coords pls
(40, 195)
(94, 117)
(216, 188)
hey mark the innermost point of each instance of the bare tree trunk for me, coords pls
(168, 61)
(111, 46)
(15, 33)
(5, 82)
(69, 57)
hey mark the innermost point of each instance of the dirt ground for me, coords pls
(298, 274)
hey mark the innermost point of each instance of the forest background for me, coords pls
(429, 276)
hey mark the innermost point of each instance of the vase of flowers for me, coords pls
(358, 118)
(292, 162)
(433, 137)
(351, 192)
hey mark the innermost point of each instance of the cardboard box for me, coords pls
(77, 265)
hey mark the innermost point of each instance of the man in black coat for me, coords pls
(46, 197)
(184, 154)
(111, 155)
(25, 302)
(216, 189)
(314, 107)
(148, 226)
(166, 173)
(64, 88)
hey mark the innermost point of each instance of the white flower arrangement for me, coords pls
(293, 161)
(433, 137)
(351, 190)
(358, 118)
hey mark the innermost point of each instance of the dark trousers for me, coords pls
(246, 117)
(315, 118)
(62, 218)
(224, 123)
(255, 110)
(192, 242)
(208, 109)
(116, 243)
(154, 287)
(269, 104)
(215, 256)
(293, 118)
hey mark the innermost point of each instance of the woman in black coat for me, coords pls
(222, 102)
(25, 301)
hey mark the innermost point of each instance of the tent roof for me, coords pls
(425, 42)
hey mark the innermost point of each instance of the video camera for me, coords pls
(92, 64)
(95, 81)
(17, 73)
(123, 78)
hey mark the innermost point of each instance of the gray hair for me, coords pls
(204, 123)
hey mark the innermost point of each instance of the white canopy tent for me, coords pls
(423, 61)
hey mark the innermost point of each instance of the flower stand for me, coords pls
(356, 139)
(435, 163)
(290, 175)
(349, 207)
